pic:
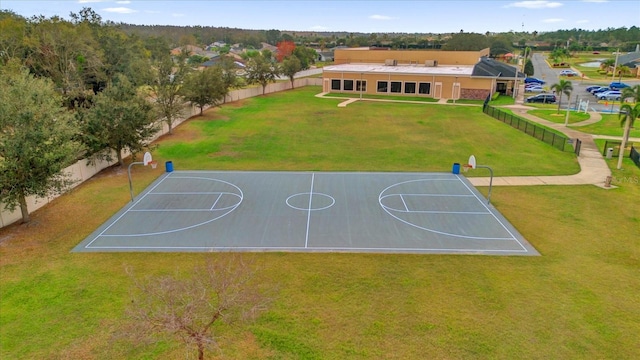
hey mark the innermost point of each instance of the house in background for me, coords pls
(428, 73)
(191, 49)
(632, 61)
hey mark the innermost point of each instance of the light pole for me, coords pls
(613, 75)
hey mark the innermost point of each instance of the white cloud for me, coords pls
(381, 17)
(178, 15)
(120, 10)
(318, 28)
(582, 21)
(535, 4)
(556, 20)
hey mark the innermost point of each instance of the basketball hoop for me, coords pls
(466, 167)
(154, 164)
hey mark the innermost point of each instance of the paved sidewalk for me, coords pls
(593, 169)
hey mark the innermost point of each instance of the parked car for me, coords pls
(568, 73)
(609, 95)
(534, 89)
(599, 90)
(592, 87)
(618, 85)
(531, 80)
(542, 98)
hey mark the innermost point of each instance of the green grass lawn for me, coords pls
(365, 136)
(554, 116)
(609, 125)
(578, 300)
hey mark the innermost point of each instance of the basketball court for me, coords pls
(309, 212)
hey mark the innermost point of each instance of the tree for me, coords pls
(607, 64)
(229, 74)
(562, 87)
(632, 92)
(186, 308)
(261, 70)
(528, 67)
(36, 139)
(166, 91)
(628, 115)
(466, 41)
(68, 54)
(120, 119)
(285, 49)
(273, 36)
(622, 70)
(12, 32)
(205, 87)
(306, 55)
(290, 66)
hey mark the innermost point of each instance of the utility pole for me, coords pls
(615, 66)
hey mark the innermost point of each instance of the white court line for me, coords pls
(215, 202)
(189, 193)
(306, 240)
(432, 195)
(391, 213)
(240, 196)
(312, 249)
(125, 212)
(492, 214)
(404, 203)
(442, 212)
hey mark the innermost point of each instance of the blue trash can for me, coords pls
(456, 168)
(168, 166)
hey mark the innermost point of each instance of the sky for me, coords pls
(363, 16)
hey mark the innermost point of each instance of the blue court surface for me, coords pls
(309, 212)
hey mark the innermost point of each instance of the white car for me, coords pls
(534, 89)
(609, 95)
(568, 73)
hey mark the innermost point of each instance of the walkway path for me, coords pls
(593, 169)
(594, 118)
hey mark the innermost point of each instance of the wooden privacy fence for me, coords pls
(81, 171)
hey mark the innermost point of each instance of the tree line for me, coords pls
(83, 88)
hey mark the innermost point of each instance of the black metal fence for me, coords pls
(615, 145)
(552, 138)
(635, 156)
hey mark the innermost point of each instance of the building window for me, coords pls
(424, 88)
(335, 84)
(383, 86)
(361, 85)
(348, 85)
(396, 87)
(409, 88)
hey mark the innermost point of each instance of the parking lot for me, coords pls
(551, 76)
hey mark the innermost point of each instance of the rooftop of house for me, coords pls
(453, 70)
(493, 68)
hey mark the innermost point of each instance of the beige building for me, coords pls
(428, 73)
